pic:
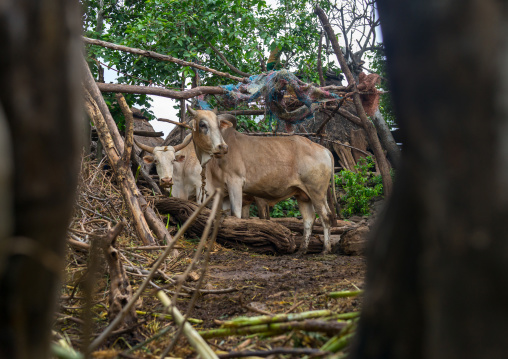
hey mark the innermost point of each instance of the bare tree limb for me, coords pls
(196, 91)
(384, 168)
(319, 62)
(228, 64)
(161, 57)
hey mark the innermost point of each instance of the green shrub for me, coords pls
(359, 187)
(286, 208)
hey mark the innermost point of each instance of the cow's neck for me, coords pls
(203, 157)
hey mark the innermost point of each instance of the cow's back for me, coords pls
(274, 167)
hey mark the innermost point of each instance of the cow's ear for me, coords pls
(192, 123)
(215, 111)
(148, 160)
(180, 158)
(225, 124)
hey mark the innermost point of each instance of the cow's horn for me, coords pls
(192, 111)
(145, 147)
(184, 144)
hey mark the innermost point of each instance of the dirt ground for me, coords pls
(257, 285)
(276, 283)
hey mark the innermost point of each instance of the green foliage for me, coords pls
(359, 187)
(243, 30)
(252, 124)
(287, 208)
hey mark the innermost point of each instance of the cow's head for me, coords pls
(164, 158)
(207, 130)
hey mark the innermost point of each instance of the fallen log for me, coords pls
(258, 235)
(296, 225)
(276, 236)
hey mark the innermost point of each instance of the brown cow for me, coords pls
(273, 168)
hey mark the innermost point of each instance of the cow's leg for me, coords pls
(324, 213)
(307, 211)
(263, 208)
(235, 198)
(246, 211)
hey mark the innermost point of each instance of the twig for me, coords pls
(354, 148)
(228, 64)
(275, 351)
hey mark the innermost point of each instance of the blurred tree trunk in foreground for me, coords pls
(41, 112)
(437, 284)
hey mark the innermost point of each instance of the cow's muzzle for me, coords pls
(222, 149)
(166, 182)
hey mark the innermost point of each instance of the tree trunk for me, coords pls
(384, 168)
(40, 99)
(386, 138)
(437, 268)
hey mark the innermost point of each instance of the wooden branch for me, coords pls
(130, 199)
(330, 116)
(228, 64)
(161, 57)
(270, 134)
(175, 123)
(243, 112)
(367, 125)
(319, 63)
(120, 292)
(147, 133)
(196, 91)
(136, 133)
(348, 115)
(354, 148)
(129, 129)
(296, 225)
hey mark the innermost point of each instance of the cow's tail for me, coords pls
(335, 204)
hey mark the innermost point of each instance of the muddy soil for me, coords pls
(276, 284)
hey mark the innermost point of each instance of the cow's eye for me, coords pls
(202, 125)
(156, 162)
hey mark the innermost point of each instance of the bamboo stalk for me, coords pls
(192, 335)
(265, 319)
(308, 325)
(337, 343)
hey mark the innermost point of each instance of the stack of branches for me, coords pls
(339, 327)
(94, 242)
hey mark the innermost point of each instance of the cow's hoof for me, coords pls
(300, 253)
